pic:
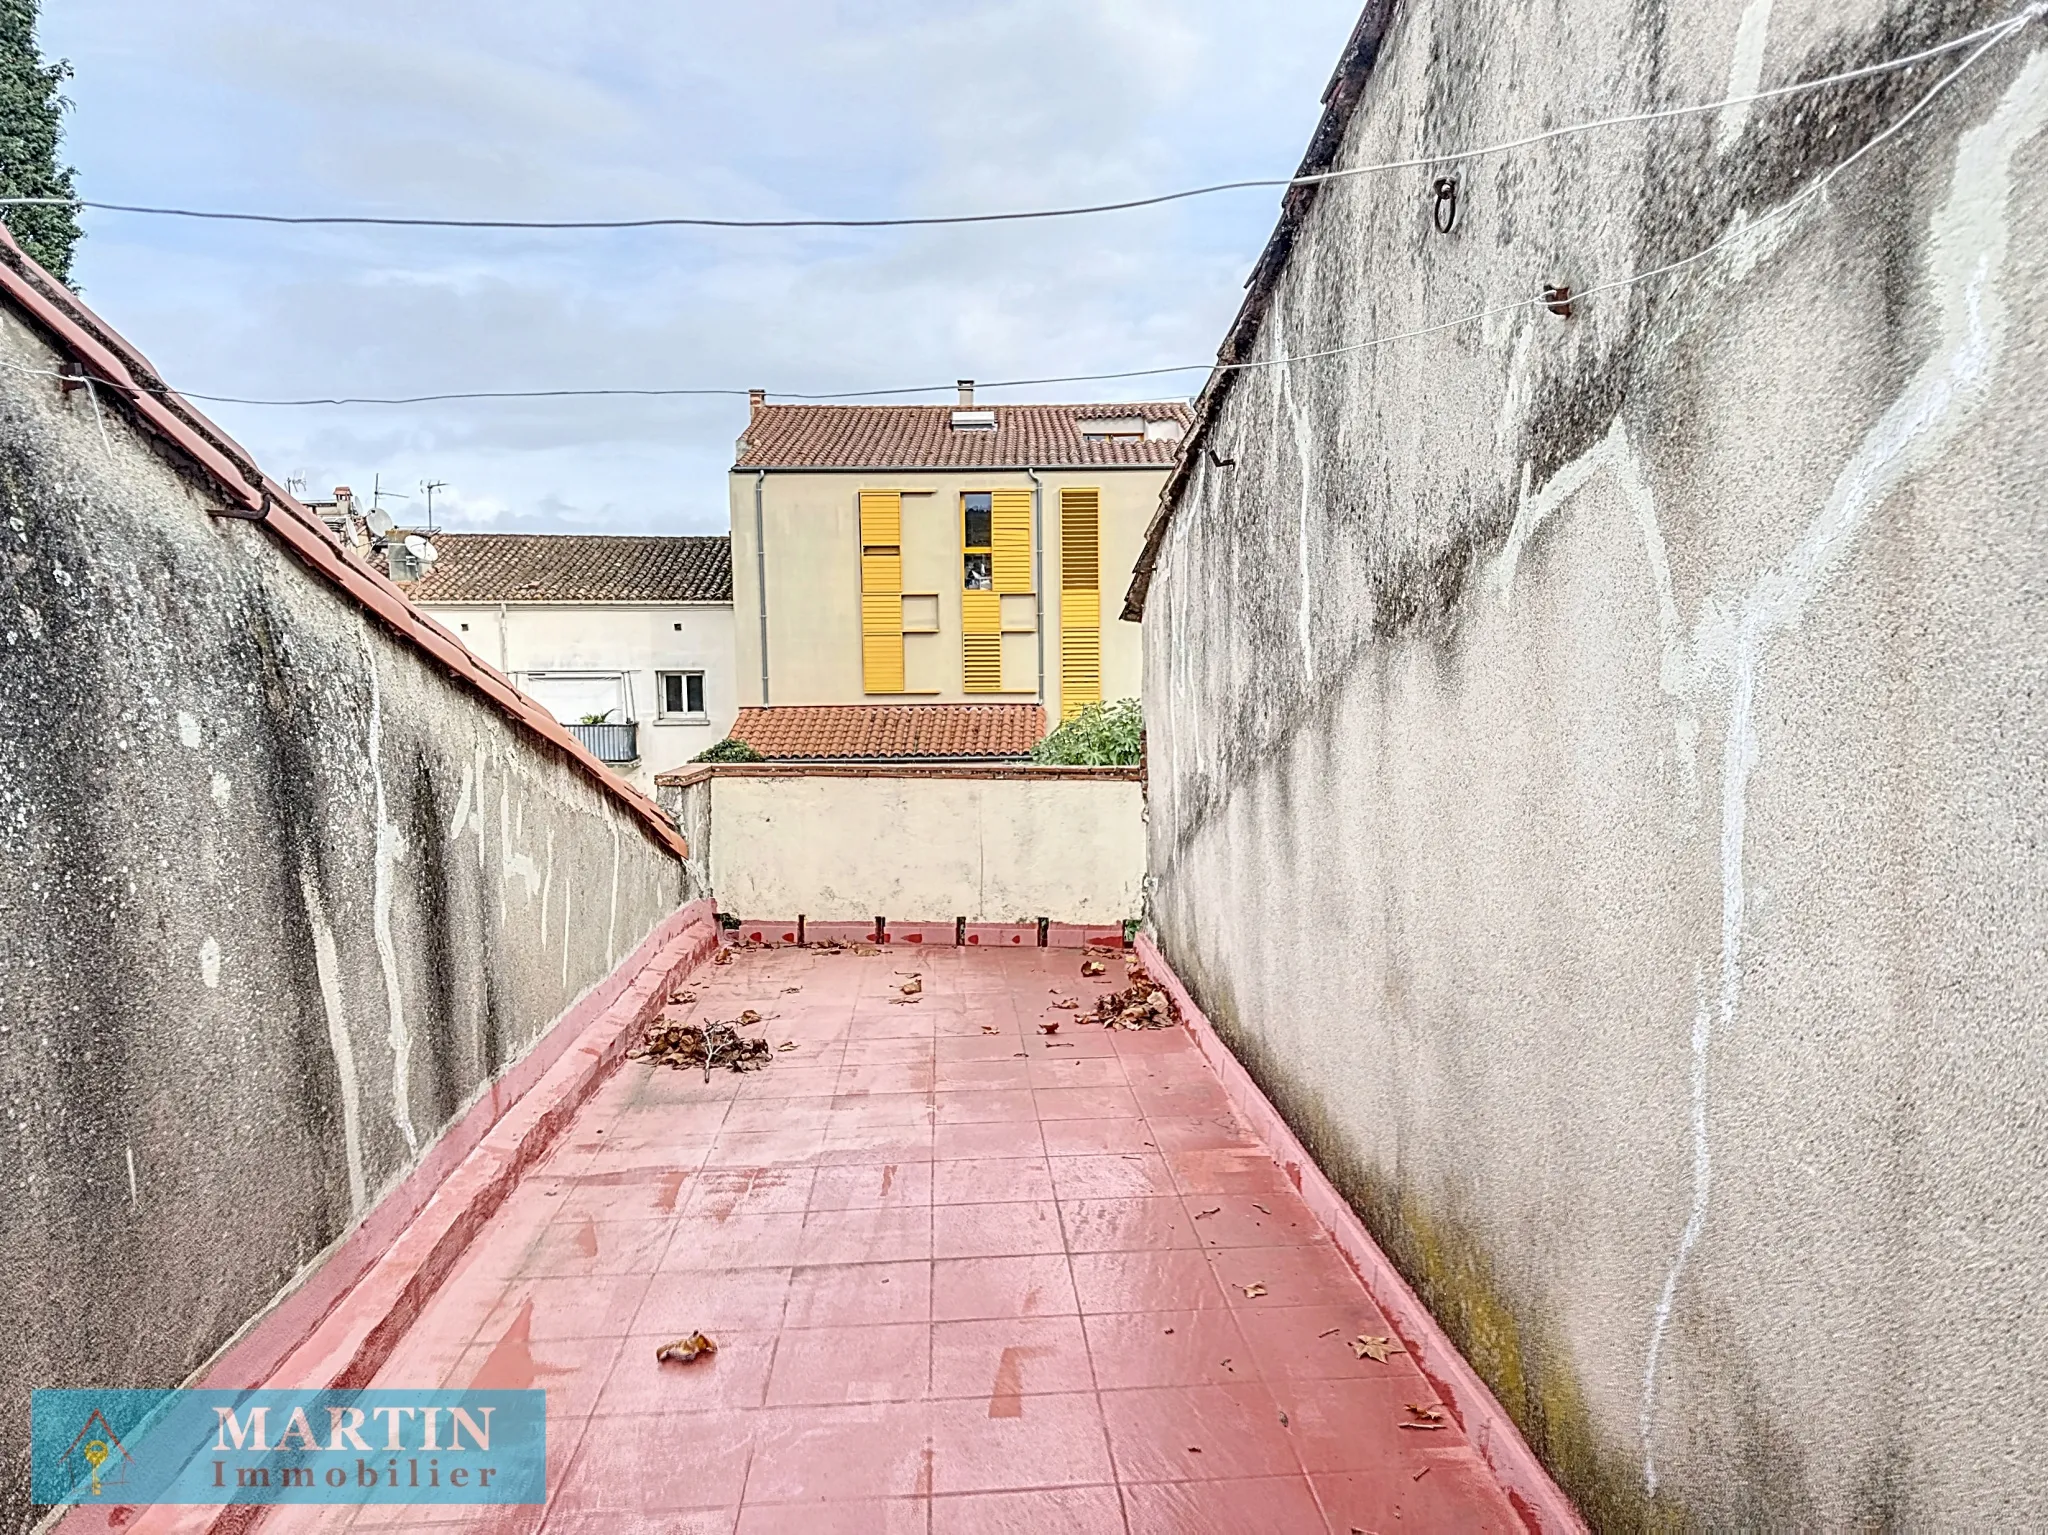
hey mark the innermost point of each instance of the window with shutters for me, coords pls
(1080, 600)
(995, 554)
(881, 591)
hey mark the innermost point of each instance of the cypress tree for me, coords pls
(31, 125)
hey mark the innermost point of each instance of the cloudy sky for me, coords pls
(637, 108)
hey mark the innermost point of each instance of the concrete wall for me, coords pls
(812, 522)
(623, 647)
(847, 846)
(276, 898)
(1598, 764)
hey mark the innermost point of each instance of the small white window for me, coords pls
(682, 696)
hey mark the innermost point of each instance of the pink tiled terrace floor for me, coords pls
(963, 1276)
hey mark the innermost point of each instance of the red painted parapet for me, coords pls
(390, 1265)
(1538, 1499)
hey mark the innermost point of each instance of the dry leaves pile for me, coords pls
(683, 1045)
(1142, 1005)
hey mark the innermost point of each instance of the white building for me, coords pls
(628, 640)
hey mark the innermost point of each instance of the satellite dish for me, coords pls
(420, 549)
(380, 521)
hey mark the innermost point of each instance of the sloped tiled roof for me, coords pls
(923, 436)
(575, 567)
(890, 732)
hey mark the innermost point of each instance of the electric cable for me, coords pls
(1987, 40)
(1450, 157)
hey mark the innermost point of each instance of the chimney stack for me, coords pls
(966, 394)
(756, 398)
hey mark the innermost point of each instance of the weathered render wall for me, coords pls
(838, 847)
(276, 898)
(1599, 765)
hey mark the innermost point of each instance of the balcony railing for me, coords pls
(609, 743)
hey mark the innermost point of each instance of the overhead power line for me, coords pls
(1986, 39)
(1449, 157)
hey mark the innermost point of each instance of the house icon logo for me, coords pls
(96, 1454)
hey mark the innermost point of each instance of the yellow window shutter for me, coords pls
(1010, 539)
(881, 519)
(1080, 600)
(881, 591)
(981, 641)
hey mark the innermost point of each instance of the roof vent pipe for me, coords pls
(966, 394)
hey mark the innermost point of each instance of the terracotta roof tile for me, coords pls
(891, 732)
(575, 567)
(923, 436)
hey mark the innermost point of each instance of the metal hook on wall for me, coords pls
(1446, 204)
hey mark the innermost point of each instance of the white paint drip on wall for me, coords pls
(390, 852)
(1967, 247)
(1283, 398)
(462, 799)
(611, 930)
(513, 865)
(1745, 72)
(209, 962)
(327, 970)
(547, 883)
(134, 1190)
(568, 895)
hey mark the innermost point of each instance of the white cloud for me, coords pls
(774, 108)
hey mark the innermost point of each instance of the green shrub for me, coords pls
(729, 750)
(1102, 735)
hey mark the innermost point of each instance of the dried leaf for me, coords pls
(1283, 1418)
(905, 1001)
(684, 996)
(787, 1044)
(1372, 1346)
(989, 1028)
(683, 1045)
(722, 957)
(1091, 967)
(748, 1015)
(864, 948)
(685, 1350)
(1050, 1028)
(911, 987)
(1425, 1412)
(1252, 1291)
(790, 991)
(1067, 1002)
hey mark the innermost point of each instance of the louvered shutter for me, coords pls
(881, 591)
(1010, 540)
(1080, 600)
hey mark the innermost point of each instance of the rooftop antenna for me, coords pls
(430, 486)
(378, 493)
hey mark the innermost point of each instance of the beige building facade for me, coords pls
(943, 555)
